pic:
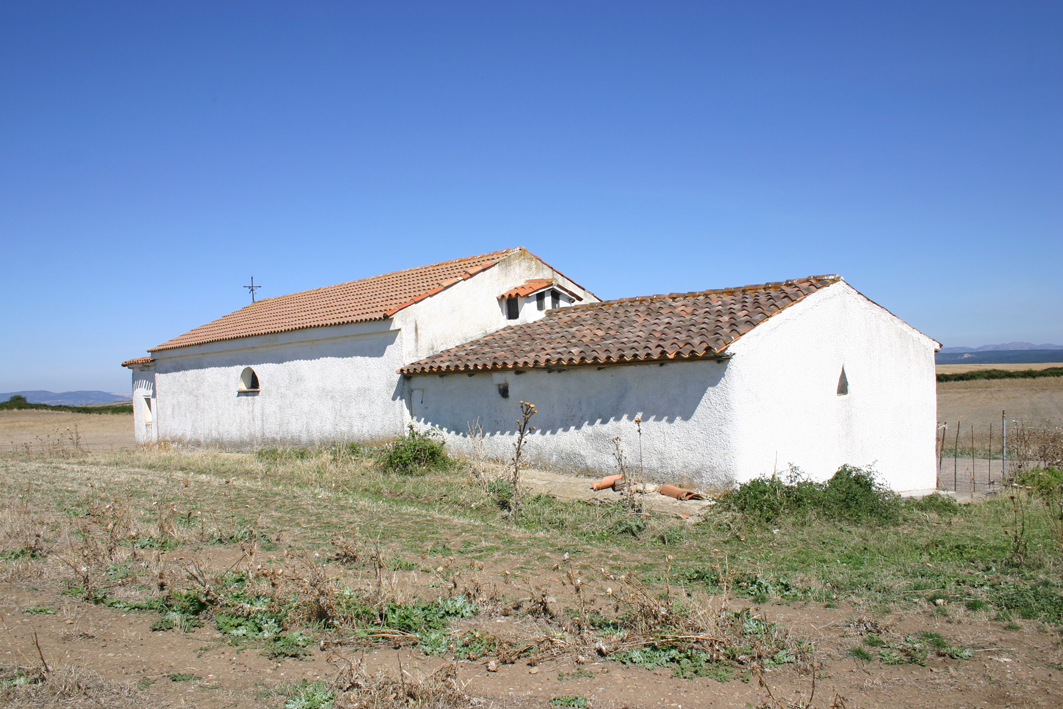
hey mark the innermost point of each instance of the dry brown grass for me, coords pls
(47, 430)
(1007, 367)
(358, 688)
(69, 686)
(1037, 402)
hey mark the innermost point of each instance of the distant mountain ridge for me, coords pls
(68, 398)
(1009, 346)
(990, 357)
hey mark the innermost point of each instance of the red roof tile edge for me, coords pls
(534, 286)
(717, 353)
(137, 360)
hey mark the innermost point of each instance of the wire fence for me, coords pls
(973, 459)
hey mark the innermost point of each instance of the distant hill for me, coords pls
(1000, 356)
(1010, 346)
(68, 398)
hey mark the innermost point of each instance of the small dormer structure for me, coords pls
(530, 301)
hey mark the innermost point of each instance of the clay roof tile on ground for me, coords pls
(629, 330)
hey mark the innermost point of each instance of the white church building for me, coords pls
(727, 385)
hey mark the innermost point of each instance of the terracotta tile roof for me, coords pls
(631, 330)
(528, 288)
(374, 298)
(535, 285)
(138, 360)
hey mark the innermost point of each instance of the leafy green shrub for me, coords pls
(852, 494)
(570, 700)
(416, 453)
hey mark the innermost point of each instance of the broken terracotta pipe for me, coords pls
(607, 482)
(679, 493)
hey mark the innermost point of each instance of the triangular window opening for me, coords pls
(843, 384)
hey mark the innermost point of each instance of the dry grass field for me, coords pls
(1035, 402)
(48, 429)
(1008, 367)
(307, 579)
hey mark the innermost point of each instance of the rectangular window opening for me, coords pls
(555, 299)
(540, 301)
(512, 309)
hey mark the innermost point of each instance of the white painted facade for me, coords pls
(324, 384)
(774, 402)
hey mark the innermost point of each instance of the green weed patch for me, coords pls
(1037, 600)
(852, 494)
(416, 453)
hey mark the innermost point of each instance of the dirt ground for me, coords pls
(1008, 670)
(42, 430)
(117, 660)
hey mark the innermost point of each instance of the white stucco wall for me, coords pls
(145, 405)
(470, 309)
(685, 408)
(327, 384)
(773, 403)
(788, 410)
(316, 386)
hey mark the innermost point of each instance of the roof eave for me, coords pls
(711, 356)
(166, 346)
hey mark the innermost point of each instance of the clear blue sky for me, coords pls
(154, 156)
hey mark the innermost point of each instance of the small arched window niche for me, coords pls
(843, 384)
(248, 381)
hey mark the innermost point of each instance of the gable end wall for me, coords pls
(788, 411)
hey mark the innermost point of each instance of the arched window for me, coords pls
(248, 380)
(843, 384)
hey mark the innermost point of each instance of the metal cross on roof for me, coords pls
(252, 288)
